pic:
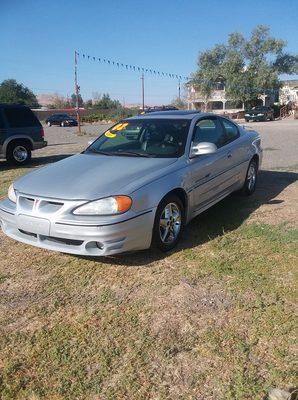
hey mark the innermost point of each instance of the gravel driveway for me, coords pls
(280, 143)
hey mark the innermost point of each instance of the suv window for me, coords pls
(231, 130)
(2, 125)
(18, 117)
(209, 130)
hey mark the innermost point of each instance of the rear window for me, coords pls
(20, 117)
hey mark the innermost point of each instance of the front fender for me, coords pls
(149, 196)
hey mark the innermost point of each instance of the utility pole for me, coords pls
(143, 92)
(179, 90)
(77, 89)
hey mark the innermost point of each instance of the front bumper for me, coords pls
(256, 118)
(71, 123)
(92, 239)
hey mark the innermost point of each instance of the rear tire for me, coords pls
(251, 179)
(18, 153)
(168, 223)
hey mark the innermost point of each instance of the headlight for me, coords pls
(260, 115)
(107, 206)
(12, 194)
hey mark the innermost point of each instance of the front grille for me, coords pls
(27, 204)
(68, 242)
(28, 233)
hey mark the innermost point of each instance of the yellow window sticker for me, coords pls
(117, 127)
(120, 127)
(109, 134)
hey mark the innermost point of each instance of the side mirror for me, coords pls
(198, 149)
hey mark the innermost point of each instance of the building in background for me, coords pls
(288, 93)
(218, 102)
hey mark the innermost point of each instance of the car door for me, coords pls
(211, 178)
(56, 119)
(236, 147)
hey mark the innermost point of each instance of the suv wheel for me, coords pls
(18, 153)
(63, 124)
(49, 124)
(168, 224)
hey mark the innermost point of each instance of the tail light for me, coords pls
(41, 132)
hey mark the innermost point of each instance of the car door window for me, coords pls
(209, 130)
(231, 130)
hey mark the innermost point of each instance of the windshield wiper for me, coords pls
(121, 153)
(98, 152)
(134, 154)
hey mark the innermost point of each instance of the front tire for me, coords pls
(49, 124)
(18, 153)
(251, 179)
(168, 223)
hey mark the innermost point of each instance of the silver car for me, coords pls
(135, 186)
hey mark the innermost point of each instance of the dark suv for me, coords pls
(61, 120)
(20, 133)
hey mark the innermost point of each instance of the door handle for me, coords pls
(229, 155)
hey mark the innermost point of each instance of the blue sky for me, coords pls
(38, 39)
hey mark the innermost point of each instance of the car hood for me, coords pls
(91, 176)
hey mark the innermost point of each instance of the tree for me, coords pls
(248, 67)
(73, 100)
(88, 103)
(59, 102)
(106, 103)
(179, 103)
(13, 92)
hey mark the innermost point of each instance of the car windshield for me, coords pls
(143, 138)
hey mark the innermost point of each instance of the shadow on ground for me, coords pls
(225, 216)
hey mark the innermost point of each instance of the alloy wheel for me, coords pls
(20, 154)
(170, 223)
(251, 177)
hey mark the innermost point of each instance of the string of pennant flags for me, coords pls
(130, 67)
(160, 73)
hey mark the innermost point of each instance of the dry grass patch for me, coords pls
(212, 320)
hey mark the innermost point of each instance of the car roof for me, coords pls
(173, 114)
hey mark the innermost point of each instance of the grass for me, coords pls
(212, 320)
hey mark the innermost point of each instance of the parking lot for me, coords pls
(279, 141)
(212, 319)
